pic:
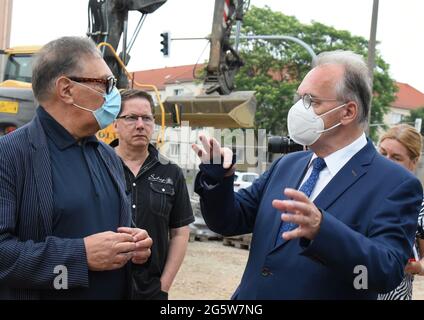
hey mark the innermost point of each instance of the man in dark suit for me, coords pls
(64, 213)
(335, 222)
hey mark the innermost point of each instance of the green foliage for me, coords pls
(274, 68)
(417, 113)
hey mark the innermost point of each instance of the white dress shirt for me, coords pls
(334, 162)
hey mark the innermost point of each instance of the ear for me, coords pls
(64, 90)
(415, 163)
(350, 113)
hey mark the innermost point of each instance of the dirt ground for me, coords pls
(213, 271)
(210, 271)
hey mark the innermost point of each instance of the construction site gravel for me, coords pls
(212, 271)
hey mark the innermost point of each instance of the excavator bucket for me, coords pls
(236, 110)
(17, 107)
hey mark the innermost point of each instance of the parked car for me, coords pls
(198, 228)
(244, 179)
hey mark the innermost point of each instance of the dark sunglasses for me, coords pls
(109, 83)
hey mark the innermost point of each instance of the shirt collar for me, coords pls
(57, 133)
(339, 158)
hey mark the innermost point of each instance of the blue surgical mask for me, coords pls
(108, 112)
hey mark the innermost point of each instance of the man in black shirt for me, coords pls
(160, 201)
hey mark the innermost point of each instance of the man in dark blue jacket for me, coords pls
(64, 213)
(336, 222)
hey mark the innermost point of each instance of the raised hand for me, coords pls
(212, 152)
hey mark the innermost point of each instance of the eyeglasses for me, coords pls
(132, 118)
(309, 100)
(109, 82)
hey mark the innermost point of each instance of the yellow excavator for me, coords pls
(17, 104)
(220, 106)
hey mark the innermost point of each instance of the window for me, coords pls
(239, 154)
(396, 117)
(174, 149)
(178, 92)
(19, 67)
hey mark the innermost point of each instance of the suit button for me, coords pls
(266, 272)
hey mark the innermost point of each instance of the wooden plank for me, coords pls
(203, 237)
(237, 242)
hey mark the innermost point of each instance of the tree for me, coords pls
(274, 69)
(415, 114)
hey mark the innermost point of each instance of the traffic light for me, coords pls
(165, 43)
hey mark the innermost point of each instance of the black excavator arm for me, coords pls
(108, 21)
(220, 106)
(224, 60)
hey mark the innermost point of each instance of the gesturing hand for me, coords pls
(212, 152)
(304, 213)
(413, 267)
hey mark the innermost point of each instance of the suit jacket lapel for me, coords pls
(351, 172)
(355, 168)
(42, 172)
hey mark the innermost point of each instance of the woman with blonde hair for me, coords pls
(403, 144)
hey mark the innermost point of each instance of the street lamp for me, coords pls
(371, 53)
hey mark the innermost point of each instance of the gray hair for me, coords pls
(356, 85)
(59, 57)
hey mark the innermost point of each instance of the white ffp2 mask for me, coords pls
(305, 126)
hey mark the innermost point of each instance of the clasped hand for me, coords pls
(112, 250)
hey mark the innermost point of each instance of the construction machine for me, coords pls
(107, 24)
(17, 105)
(219, 106)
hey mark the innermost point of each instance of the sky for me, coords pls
(400, 24)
